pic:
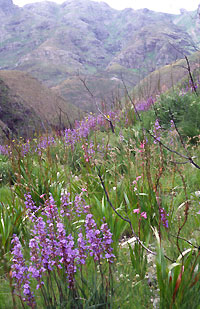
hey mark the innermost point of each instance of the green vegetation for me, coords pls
(70, 190)
(105, 214)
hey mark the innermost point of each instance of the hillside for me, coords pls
(27, 106)
(166, 77)
(88, 92)
(57, 43)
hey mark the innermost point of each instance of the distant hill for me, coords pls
(167, 77)
(56, 43)
(88, 93)
(27, 106)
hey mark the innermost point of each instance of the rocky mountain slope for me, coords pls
(190, 22)
(59, 44)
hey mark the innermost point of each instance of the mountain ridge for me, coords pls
(59, 43)
(89, 33)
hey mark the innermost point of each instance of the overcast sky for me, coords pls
(168, 6)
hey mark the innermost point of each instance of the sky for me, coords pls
(167, 6)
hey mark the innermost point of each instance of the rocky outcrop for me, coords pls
(154, 46)
(190, 22)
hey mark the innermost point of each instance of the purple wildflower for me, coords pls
(30, 205)
(83, 249)
(92, 235)
(5, 150)
(36, 266)
(99, 240)
(65, 205)
(106, 243)
(20, 272)
(146, 104)
(67, 253)
(25, 148)
(156, 132)
(163, 216)
(76, 207)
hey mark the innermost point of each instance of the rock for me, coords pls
(183, 11)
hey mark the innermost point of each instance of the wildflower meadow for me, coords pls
(105, 214)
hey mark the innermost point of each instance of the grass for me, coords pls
(144, 183)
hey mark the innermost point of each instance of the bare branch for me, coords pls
(184, 240)
(166, 147)
(65, 113)
(190, 75)
(92, 96)
(132, 102)
(175, 162)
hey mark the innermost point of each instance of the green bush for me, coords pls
(183, 108)
(5, 170)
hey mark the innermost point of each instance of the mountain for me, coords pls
(27, 106)
(190, 23)
(154, 45)
(59, 44)
(6, 7)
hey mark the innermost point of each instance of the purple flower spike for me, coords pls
(99, 240)
(30, 205)
(164, 219)
(67, 253)
(106, 243)
(157, 131)
(83, 249)
(20, 272)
